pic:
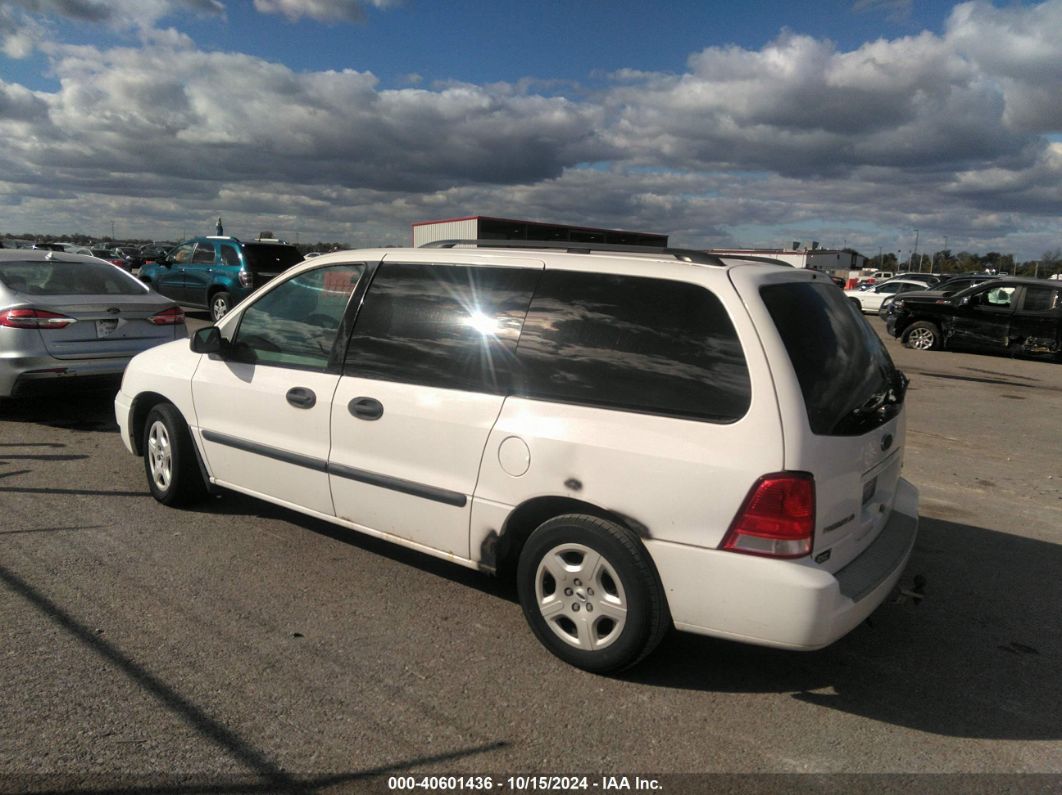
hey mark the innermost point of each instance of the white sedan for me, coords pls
(870, 300)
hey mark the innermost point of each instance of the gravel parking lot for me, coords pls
(243, 647)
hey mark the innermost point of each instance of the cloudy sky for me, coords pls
(750, 124)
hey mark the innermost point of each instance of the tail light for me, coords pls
(34, 318)
(246, 279)
(174, 316)
(777, 519)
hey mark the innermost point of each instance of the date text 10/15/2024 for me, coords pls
(523, 783)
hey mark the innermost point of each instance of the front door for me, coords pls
(198, 273)
(983, 320)
(170, 280)
(264, 407)
(426, 373)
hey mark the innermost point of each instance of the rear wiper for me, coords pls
(873, 403)
(892, 395)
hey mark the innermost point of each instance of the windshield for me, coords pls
(847, 378)
(62, 277)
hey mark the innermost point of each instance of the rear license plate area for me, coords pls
(869, 489)
(105, 328)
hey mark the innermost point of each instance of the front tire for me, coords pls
(591, 594)
(169, 459)
(922, 336)
(220, 305)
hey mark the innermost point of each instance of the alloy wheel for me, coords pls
(921, 339)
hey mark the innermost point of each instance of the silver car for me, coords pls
(69, 319)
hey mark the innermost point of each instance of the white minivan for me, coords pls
(642, 438)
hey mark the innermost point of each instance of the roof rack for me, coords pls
(682, 254)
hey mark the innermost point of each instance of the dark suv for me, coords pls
(1013, 315)
(216, 273)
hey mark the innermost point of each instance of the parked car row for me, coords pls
(871, 298)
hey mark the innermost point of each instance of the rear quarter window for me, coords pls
(632, 343)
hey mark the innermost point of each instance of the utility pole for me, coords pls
(914, 251)
(112, 230)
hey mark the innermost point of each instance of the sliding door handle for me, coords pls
(365, 408)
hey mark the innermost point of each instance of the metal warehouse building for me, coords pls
(484, 227)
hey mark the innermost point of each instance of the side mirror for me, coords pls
(965, 300)
(208, 340)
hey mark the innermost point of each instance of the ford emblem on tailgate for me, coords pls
(886, 442)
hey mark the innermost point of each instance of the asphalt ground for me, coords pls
(241, 647)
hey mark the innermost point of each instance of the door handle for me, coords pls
(365, 408)
(301, 397)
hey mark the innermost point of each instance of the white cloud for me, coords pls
(1021, 49)
(322, 10)
(118, 13)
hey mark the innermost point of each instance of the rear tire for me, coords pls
(169, 458)
(591, 594)
(220, 305)
(922, 336)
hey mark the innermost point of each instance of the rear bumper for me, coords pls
(787, 604)
(26, 376)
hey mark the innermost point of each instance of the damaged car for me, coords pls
(1013, 315)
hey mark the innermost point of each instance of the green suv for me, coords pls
(216, 273)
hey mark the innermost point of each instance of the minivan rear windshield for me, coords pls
(270, 257)
(848, 380)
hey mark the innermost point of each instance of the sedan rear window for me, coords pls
(60, 277)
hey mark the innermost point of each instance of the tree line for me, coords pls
(947, 261)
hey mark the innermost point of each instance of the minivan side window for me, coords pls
(635, 344)
(446, 326)
(295, 324)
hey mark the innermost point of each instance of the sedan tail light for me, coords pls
(777, 519)
(34, 318)
(174, 316)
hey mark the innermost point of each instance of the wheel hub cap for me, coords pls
(160, 455)
(580, 596)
